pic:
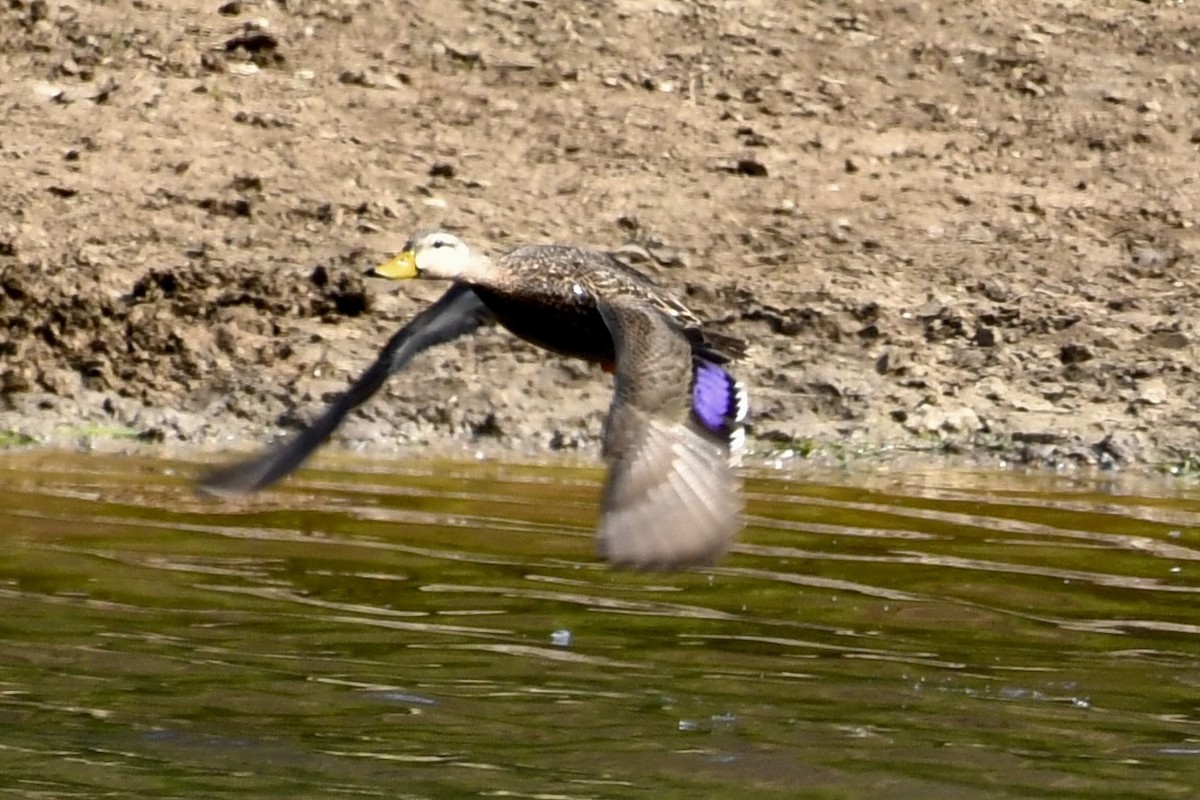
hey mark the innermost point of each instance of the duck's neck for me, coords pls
(479, 270)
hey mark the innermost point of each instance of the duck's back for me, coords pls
(547, 295)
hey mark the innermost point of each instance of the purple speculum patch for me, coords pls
(713, 396)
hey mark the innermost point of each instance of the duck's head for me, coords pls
(431, 254)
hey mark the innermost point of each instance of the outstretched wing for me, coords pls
(671, 496)
(456, 313)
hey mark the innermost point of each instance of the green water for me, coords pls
(385, 630)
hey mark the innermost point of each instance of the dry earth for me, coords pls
(964, 227)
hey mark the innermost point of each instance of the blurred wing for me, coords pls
(456, 313)
(671, 496)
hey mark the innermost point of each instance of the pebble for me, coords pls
(1153, 391)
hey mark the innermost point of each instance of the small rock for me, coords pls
(1151, 259)
(961, 420)
(246, 183)
(1074, 354)
(984, 336)
(38, 10)
(60, 381)
(1125, 446)
(1153, 392)
(751, 167)
(354, 77)
(1038, 437)
(467, 54)
(935, 419)
(1054, 392)
(1168, 340)
(48, 91)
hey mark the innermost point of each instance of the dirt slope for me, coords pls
(968, 229)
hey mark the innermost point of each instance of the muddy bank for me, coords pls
(967, 232)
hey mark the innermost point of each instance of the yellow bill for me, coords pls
(400, 268)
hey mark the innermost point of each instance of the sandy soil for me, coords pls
(967, 230)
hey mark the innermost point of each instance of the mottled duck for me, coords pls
(675, 422)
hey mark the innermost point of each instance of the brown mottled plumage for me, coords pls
(547, 295)
(671, 498)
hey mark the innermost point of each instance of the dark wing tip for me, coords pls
(456, 313)
(243, 477)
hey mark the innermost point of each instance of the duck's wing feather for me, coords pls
(670, 499)
(615, 276)
(456, 313)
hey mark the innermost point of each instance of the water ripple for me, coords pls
(440, 629)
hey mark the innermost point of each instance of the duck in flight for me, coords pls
(674, 425)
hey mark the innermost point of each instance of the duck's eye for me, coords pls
(440, 243)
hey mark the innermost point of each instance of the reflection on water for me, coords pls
(437, 630)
